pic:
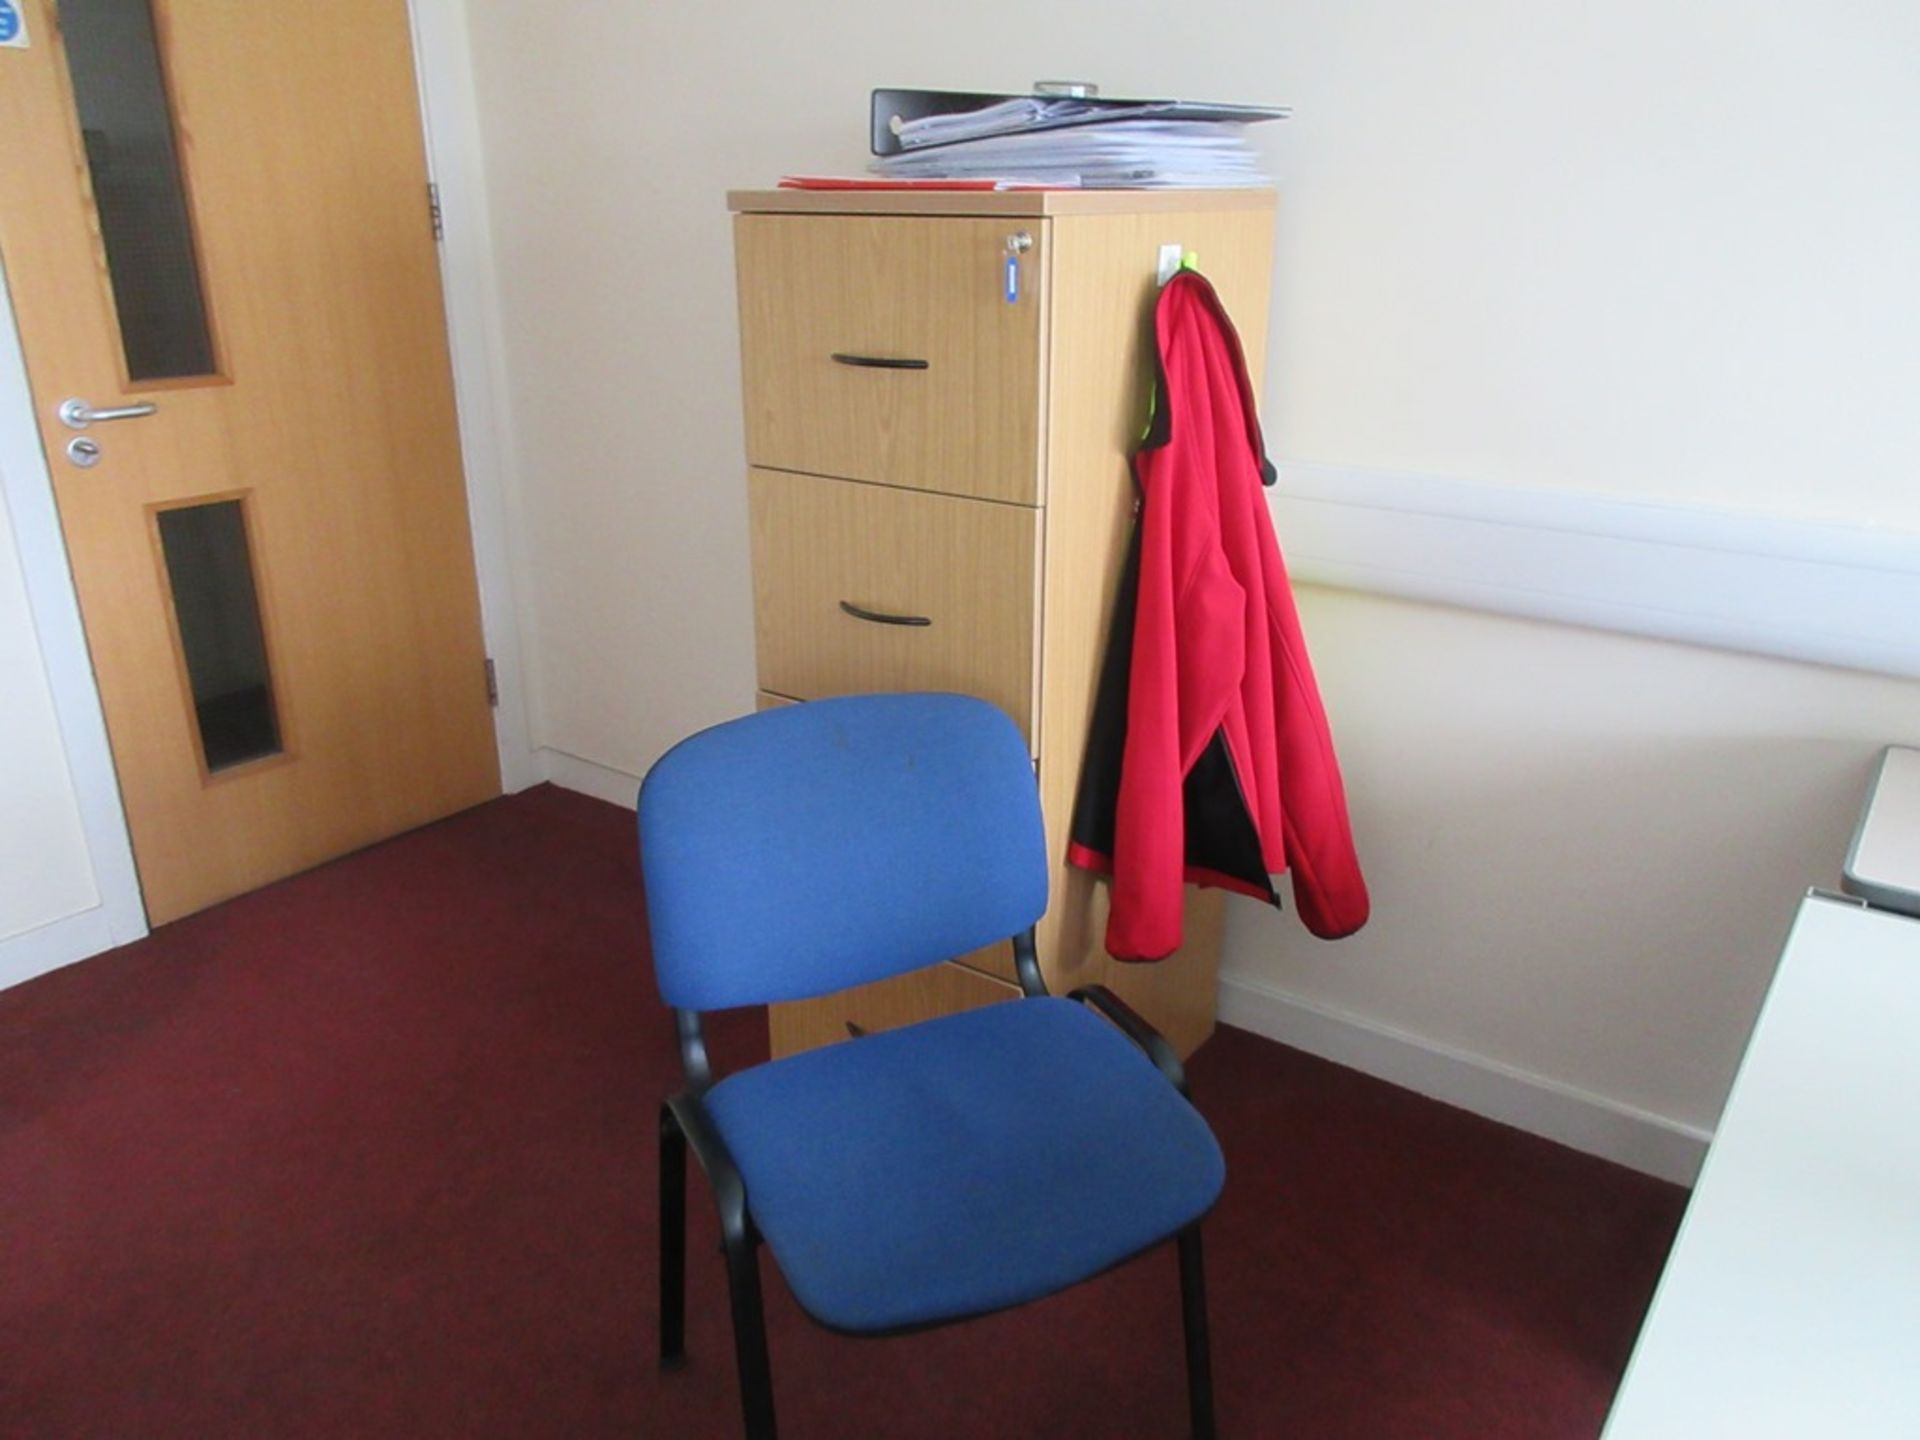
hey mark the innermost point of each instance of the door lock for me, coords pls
(83, 452)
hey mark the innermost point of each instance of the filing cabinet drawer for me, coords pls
(885, 1005)
(886, 349)
(860, 588)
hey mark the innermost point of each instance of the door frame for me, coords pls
(450, 121)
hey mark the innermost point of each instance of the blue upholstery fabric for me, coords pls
(964, 1164)
(820, 846)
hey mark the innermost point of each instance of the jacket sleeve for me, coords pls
(1328, 888)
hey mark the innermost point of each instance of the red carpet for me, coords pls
(369, 1154)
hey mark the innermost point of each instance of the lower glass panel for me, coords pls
(217, 607)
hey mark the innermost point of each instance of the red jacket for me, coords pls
(1210, 760)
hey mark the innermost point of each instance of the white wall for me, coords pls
(1646, 247)
(67, 884)
(1585, 848)
(1636, 249)
(45, 872)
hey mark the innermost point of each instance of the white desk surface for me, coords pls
(1790, 1306)
(1884, 863)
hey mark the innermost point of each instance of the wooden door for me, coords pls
(219, 209)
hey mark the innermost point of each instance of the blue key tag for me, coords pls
(1018, 244)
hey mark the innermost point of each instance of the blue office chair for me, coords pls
(926, 1174)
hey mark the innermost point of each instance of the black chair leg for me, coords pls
(673, 1241)
(750, 1337)
(1193, 1313)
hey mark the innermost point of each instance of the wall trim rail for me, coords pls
(1766, 584)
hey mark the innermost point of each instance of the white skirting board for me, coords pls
(589, 777)
(91, 932)
(1591, 1123)
(59, 942)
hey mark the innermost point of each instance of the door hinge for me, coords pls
(493, 684)
(434, 215)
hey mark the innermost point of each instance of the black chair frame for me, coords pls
(684, 1123)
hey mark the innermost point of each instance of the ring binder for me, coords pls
(892, 108)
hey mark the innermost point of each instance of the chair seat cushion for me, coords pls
(964, 1164)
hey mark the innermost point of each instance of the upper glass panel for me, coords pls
(120, 91)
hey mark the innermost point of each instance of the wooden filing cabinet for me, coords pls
(940, 497)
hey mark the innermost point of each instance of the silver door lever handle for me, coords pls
(77, 414)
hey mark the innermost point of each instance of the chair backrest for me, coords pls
(818, 846)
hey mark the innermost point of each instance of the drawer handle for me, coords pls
(877, 362)
(878, 619)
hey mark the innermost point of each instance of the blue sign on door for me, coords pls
(10, 27)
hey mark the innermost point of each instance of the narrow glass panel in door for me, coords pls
(216, 609)
(120, 92)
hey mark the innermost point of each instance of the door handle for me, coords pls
(77, 414)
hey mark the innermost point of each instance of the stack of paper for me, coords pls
(1116, 154)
